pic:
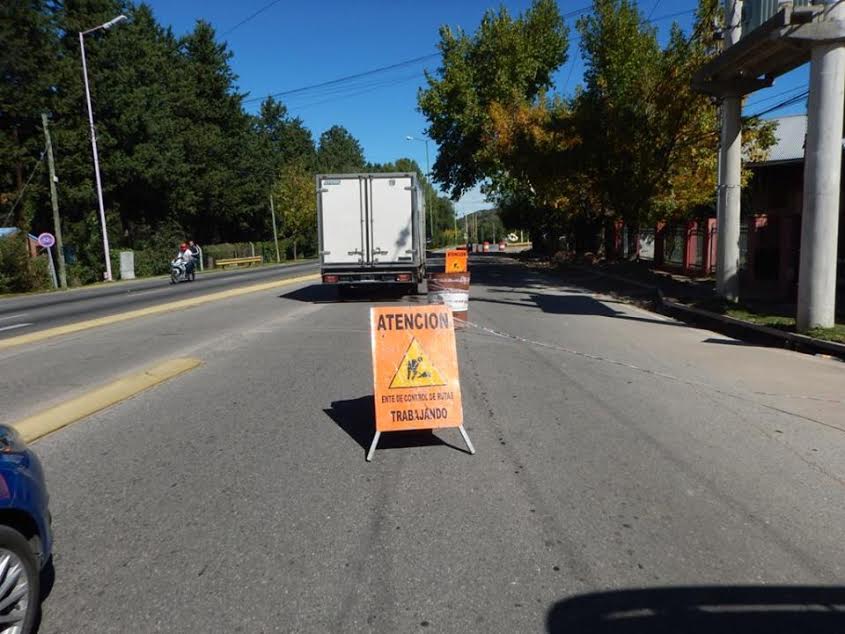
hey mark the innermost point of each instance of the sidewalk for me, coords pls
(694, 300)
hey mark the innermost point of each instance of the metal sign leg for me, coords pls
(373, 446)
(466, 439)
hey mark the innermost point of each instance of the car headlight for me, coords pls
(10, 440)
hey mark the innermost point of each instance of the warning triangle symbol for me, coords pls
(416, 370)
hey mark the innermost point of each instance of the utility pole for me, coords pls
(822, 176)
(428, 178)
(427, 196)
(275, 235)
(54, 199)
(730, 172)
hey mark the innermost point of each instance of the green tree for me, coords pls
(221, 200)
(540, 176)
(651, 139)
(296, 203)
(26, 54)
(339, 152)
(284, 138)
(179, 155)
(507, 59)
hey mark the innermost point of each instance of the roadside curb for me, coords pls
(63, 414)
(737, 327)
(791, 340)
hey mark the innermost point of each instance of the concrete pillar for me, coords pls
(728, 214)
(822, 165)
(730, 172)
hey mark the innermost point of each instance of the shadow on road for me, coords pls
(572, 305)
(727, 342)
(705, 609)
(47, 580)
(314, 294)
(357, 418)
(329, 294)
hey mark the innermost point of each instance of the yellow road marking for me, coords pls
(59, 416)
(150, 310)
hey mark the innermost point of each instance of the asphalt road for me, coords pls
(29, 313)
(627, 466)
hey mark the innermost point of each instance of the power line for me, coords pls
(576, 12)
(23, 189)
(332, 82)
(250, 17)
(342, 80)
(350, 87)
(666, 16)
(776, 95)
(783, 104)
(373, 88)
(653, 9)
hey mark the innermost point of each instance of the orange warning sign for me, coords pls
(456, 261)
(415, 368)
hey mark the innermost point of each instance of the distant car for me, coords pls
(26, 538)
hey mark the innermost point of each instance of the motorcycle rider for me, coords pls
(194, 249)
(187, 258)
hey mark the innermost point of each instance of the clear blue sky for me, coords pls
(294, 44)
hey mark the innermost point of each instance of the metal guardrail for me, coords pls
(223, 263)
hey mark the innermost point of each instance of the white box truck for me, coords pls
(371, 229)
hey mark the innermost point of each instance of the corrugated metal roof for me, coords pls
(755, 12)
(790, 134)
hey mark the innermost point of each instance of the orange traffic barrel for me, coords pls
(486, 246)
(451, 289)
(501, 245)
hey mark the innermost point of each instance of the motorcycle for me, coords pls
(179, 271)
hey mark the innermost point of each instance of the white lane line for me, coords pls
(12, 316)
(13, 326)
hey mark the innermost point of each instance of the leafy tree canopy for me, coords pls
(506, 60)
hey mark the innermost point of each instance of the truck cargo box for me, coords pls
(371, 228)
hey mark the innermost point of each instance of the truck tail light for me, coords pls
(330, 279)
(403, 277)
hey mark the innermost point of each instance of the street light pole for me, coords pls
(428, 177)
(82, 34)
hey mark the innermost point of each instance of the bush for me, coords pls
(80, 275)
(19, 273)
(562, 257)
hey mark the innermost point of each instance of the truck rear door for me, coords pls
(391, 204)
(342, 220)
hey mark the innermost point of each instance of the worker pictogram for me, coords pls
(416, 369)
